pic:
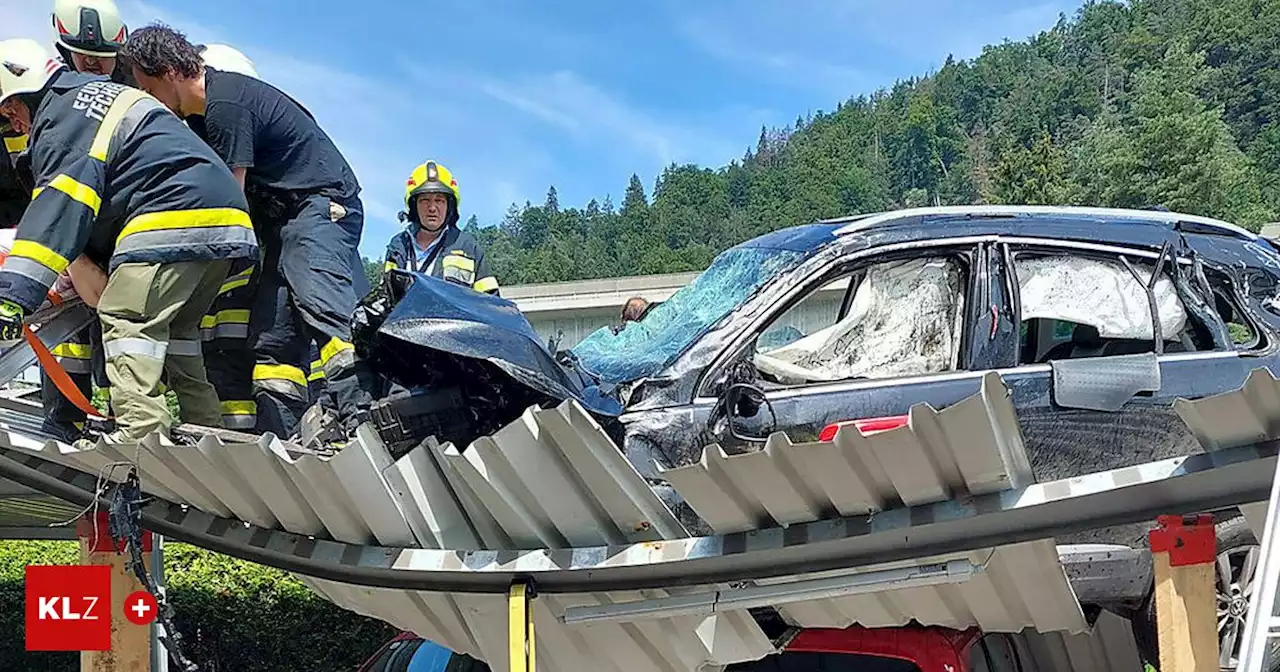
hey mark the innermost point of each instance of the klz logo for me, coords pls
(68, 608)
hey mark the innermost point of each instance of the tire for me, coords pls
(1237, 550)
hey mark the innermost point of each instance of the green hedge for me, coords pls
(233, 615)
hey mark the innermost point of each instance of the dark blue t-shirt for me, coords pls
(255, 126)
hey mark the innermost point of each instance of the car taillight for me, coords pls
(867, 426)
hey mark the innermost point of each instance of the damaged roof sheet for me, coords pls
(553, 479)
(1250, 414)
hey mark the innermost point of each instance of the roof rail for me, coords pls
(858, 223)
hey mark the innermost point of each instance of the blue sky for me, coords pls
(517, 96)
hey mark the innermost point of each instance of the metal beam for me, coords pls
(1195, 483)
(56, 324)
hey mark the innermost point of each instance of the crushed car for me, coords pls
(1097, 320)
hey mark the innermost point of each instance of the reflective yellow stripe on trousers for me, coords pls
(281, 379)
(239, 414)
(337, 355)
(74, 357)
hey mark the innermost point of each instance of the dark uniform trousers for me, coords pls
(224, 337)
(81, 357)
(306, 295)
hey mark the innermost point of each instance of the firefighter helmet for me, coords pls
(89, 27)
(431, 177)
(25, 67)
(228, 59)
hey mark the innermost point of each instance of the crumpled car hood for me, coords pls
(456, 320)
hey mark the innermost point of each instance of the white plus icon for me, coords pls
(141, 608)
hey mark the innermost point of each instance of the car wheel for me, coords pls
(1236, 569)
(1237, 566)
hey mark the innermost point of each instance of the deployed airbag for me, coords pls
(1097, 293)
(905, 320)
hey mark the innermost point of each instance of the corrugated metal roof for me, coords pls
(1108, 646)
(553, 479)
(972, 446)
(1023, 586)
(1248, 415)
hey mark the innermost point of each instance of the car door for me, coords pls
(1092, 390)
(869, 337)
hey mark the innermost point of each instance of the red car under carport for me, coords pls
(909, 648)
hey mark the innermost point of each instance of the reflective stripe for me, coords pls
(456, 260)
(238, 280)
(333, 348)
(224, 331)
(111, 121)
(15, 144)
(239, 407)
(280, 387)
(167, 220)
(37, 252)
(78, 191)
(36, 192)
(186, 229)
(485, 285)
(263, 372)
(73, 350)
(317, 371)
(181, 347)
(32, 269)
(230, 323)
(390, 265)
(75, 365)
(228, 316)
(134, 346)
(240, 421)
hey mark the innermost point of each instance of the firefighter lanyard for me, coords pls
(436, 245)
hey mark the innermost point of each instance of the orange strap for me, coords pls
(59, 375)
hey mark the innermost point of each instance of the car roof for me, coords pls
(1059, 214)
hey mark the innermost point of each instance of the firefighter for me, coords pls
(432, 243)
(224, 331)
(118, 174)
(89, 36)
(310, 224)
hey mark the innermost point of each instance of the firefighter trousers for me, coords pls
(228, 362)
(306, 295)
(151, 317)
(81, 357)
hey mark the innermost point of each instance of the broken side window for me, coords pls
(1244, 336)
(905, 319)
(1077, 306)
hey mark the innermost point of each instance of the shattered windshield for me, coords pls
(642, 348)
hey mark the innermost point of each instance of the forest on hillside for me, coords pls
(1172, 103)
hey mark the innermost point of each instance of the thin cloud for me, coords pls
(590, 114)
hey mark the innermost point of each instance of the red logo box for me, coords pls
(68, 608)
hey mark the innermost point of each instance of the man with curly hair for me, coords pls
(310, 224)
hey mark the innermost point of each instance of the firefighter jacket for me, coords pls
(456, 257)
(14, 195)
(119, 176)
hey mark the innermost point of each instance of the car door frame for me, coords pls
(1006, 260)
(976, 325)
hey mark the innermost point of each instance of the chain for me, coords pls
(124, 523)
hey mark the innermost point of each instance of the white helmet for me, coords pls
(90, 27)
(25, 67)
(228, 59)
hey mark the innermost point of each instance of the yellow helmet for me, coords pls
(430, 177)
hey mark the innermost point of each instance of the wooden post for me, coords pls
(130, 644)
(1183, 553)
